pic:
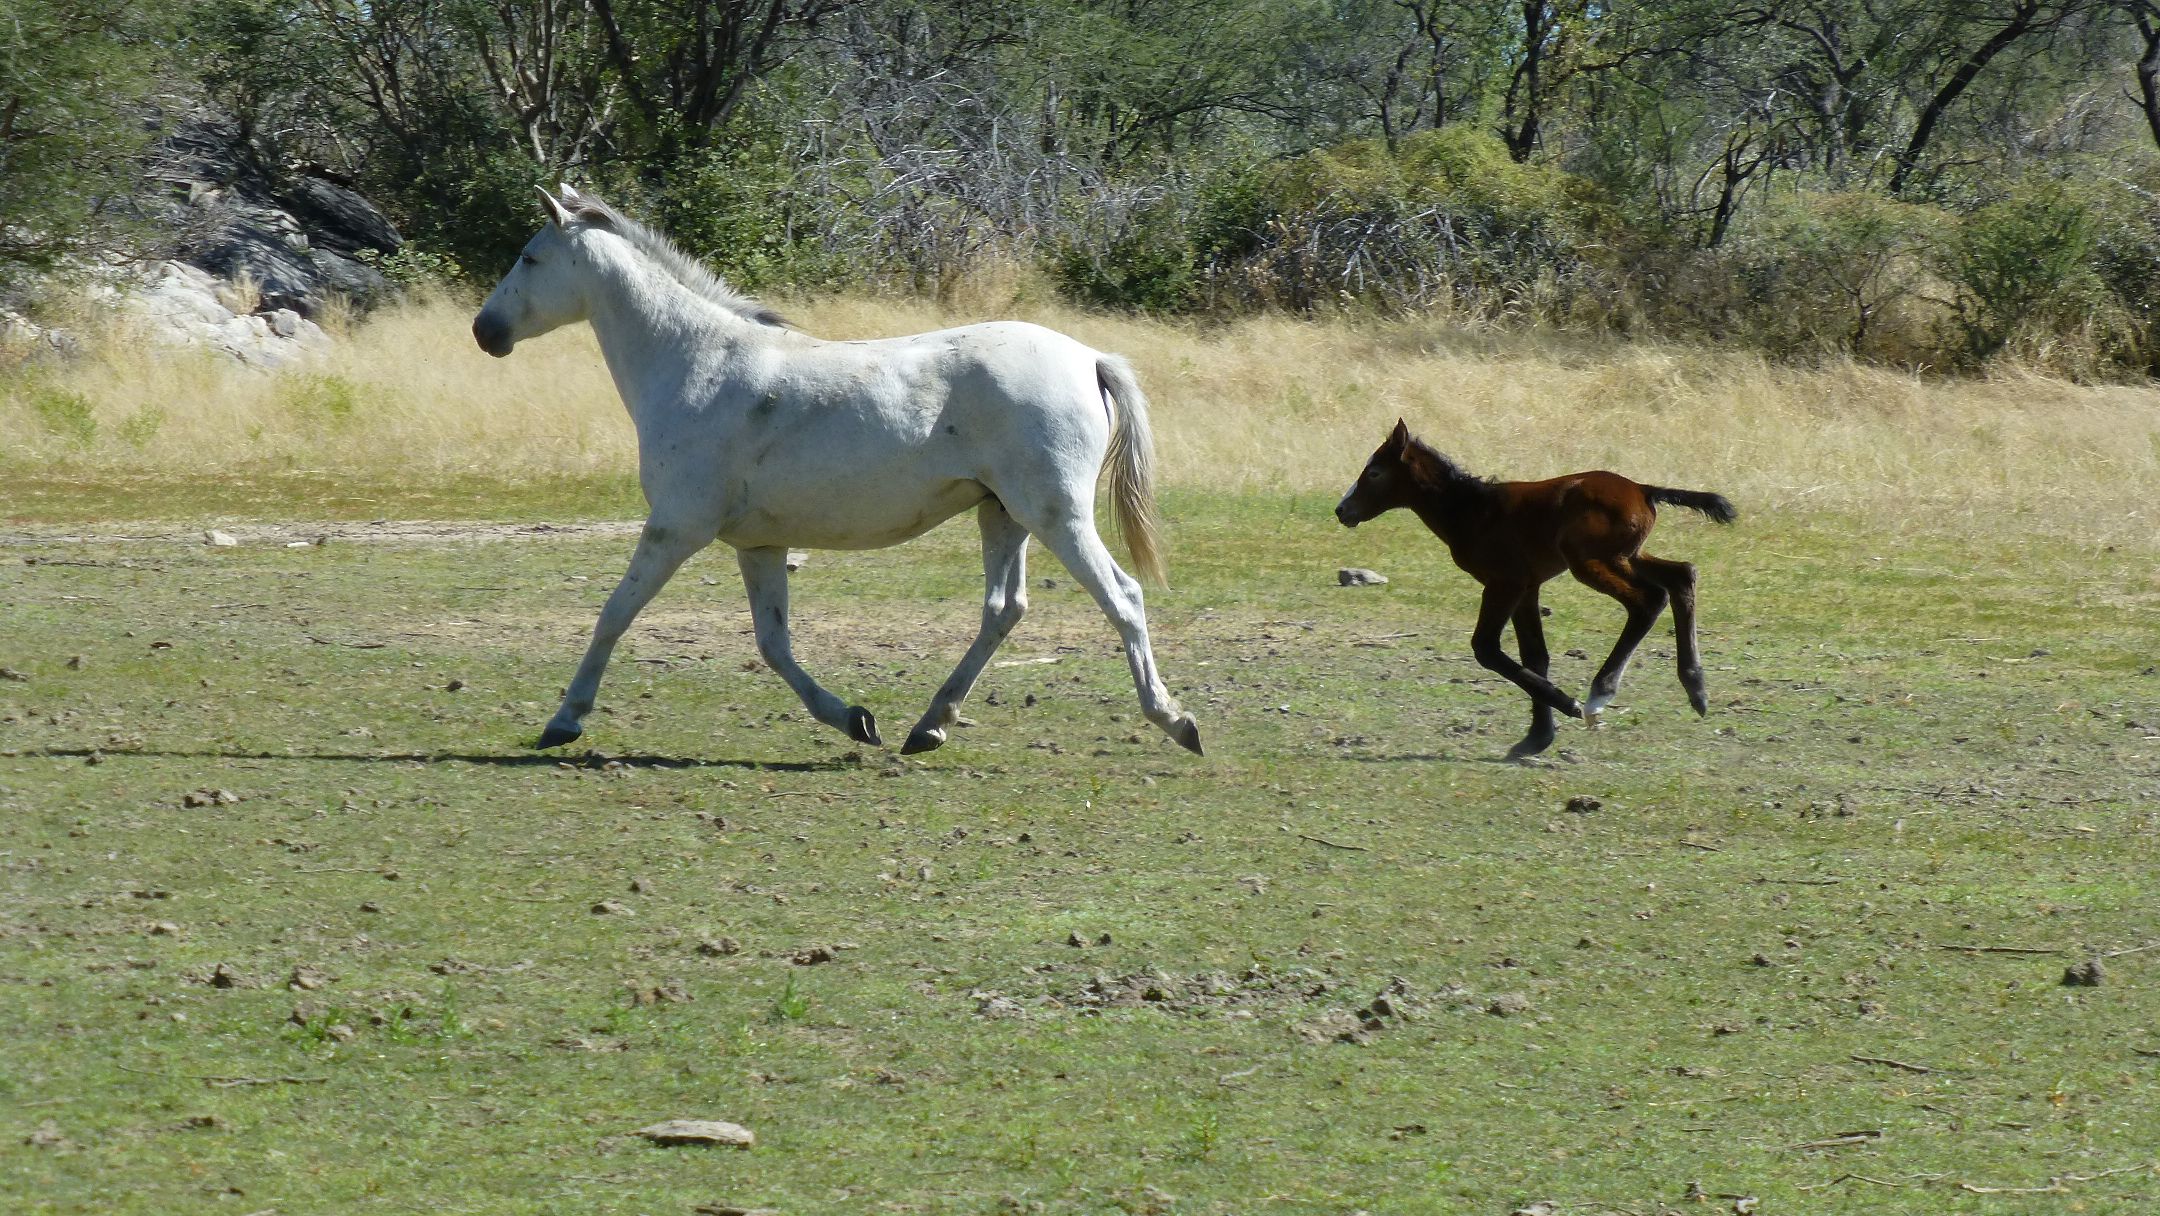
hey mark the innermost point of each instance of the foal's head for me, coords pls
(1401, 473)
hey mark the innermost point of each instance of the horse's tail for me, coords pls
(1130, 464)
(1716, 506)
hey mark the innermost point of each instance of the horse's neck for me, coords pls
(1452, 506)
(652, 333)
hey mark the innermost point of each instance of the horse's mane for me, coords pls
(685, 269)
(1443, 471)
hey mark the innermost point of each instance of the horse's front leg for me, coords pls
(1494, 613)
(661, 551)
(764, 574)
(1004, 603)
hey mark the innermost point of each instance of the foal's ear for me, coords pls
(1400, 436)
(557, 217)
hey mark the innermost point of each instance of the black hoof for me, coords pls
(556, 736)
(1700, 702)
(1187, 733)
(1571, 707)
(1530, 746)
(862, 728)
(922, 740)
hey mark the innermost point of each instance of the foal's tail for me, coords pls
(1130, 463)
(1716, 506)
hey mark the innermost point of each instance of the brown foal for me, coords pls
(1515, 536)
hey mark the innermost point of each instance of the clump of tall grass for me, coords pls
(1270, 403)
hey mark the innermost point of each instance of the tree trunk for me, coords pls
(2022, 21)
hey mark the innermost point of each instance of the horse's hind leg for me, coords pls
(1678, 579)
(660, 552)
(1071, 537)
(764, 574)
(1530, 639)
(1642, 597)
(1004, 603)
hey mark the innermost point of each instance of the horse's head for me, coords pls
(545, 290)
(1386, 483)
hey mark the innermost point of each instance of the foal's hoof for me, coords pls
(1570, 706)
(556, 735)
(1531, 745)
(862, 728)
(923, 739)
(1187, 733)
(1701, 703)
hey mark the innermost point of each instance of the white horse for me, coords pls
(764, 438)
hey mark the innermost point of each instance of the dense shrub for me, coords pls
(1838, 273)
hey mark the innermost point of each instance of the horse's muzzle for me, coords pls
(1345, 516)
(492, 335)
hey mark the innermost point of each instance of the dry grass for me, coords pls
(1263, 404)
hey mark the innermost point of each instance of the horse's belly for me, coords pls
(843, 516)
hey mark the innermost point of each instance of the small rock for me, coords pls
(1583, 804)
(797, 559)
(164, 928)
(77, 662)
(1358, 576)
(1074, 939)
(699, 1131)
(341, 1032)
(812, 956)
(219, 540)
(1508, 1004)
(48, 1135)
(641, 886)
(719, 947)
(208, 797)
(13, 676)
(609, 907)
(454, 686)
(306, 979)
(2087, 974)
(222, 976)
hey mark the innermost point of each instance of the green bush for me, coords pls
(64, 413)
(2017, 259)
(1148, 267)
(1837, 273)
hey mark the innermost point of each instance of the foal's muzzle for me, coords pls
(492, 335)
(1346, 515)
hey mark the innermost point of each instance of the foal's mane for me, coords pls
(665, 253)
(1434, 465)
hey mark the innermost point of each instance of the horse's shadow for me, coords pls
(530, 759)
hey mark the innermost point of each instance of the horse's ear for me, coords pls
(557, 217)
(1400, 436)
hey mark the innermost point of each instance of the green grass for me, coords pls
(1913, 744)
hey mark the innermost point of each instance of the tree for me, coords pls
(74, 77)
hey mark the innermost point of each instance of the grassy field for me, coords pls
(293, 923)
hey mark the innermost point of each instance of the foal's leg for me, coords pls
(1071, 537)
(764, 575)
(1530, 639)
(1678, 579)
(1004, 602)
(660, 552)
(1642, 597)
(1493, 614)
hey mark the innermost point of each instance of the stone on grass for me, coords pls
(1358, 576)
(699, 1131)
(219, 540)
(2088, 974)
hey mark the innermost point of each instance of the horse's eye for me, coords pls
(1372, 474)
(528, 259)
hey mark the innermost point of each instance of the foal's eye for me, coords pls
(528, 259)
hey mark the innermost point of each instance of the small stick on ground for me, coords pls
(1841, 1140)
(1997, 949)
(1843, 1178)
(2132, 950)
(2058, 1184)
(1353, 848)
(1900, 1065)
